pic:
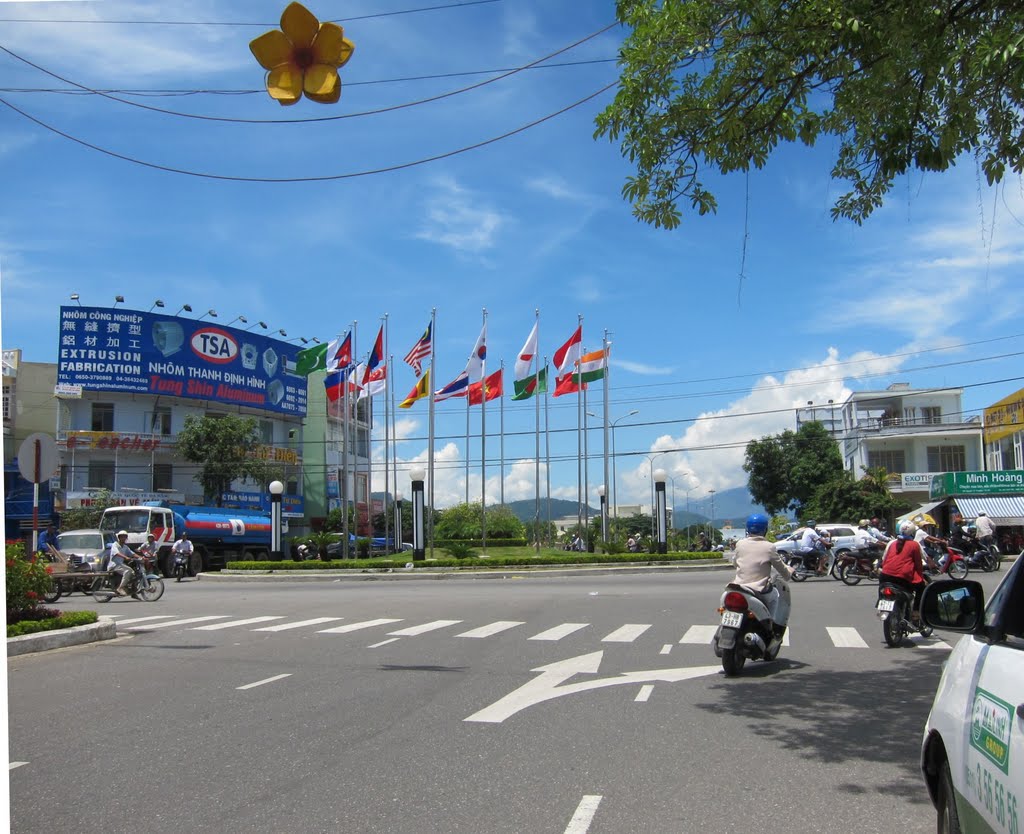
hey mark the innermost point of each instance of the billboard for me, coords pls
(113, 349)
(1005, 417)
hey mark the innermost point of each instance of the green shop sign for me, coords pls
(1008, 482)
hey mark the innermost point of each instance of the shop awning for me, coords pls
(924, 508)
(1004, 510)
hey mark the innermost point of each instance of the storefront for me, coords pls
(1000, 495)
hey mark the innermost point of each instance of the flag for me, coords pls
(533, 384)
(456, 388)
(592, 366)
(420, 351)
(376, 382)
(493, 383)
(475, 365)
(419, 391)
(311, 359)
(375, 358)
(339, 353)
(566, 359)
(524, 362)
(334, 383)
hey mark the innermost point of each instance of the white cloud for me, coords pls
(457, 219)
(641, 368)
(559, 189)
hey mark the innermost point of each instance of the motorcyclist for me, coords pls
(931, 544)
(120, 554)
(183, 546)
(986, 530)
(875, 529)
(903, 565)
(811, 542)
(755, 558)
(149, 549)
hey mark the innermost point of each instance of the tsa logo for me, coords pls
(214, 345)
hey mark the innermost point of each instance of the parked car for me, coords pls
(85, 549)
(844, 538)
(972, 755)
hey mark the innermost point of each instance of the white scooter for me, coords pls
(748, 629)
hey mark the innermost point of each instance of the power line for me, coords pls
(323, 178)
(312, 119)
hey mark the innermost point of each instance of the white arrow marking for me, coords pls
(546, 687)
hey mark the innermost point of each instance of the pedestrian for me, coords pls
(48, 536)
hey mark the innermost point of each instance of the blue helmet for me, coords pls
(757, 524)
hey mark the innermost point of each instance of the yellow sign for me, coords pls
(1005, 417)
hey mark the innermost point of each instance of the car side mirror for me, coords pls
(953, 605)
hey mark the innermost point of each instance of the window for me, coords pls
(8, 398)
(101, 474)
(891, 460)
(931, 414)
(266, 432)
(163, 475)
(102, 418)
(159, 421)
(946, 459)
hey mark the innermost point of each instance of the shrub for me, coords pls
(363, 548)
(28, 579)
(459, 550)
(52, 621)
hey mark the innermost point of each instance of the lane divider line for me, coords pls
(266, 680)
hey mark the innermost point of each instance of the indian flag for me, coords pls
(592, 367)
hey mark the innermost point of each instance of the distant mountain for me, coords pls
(730, 505)
(560, 508)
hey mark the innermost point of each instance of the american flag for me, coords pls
(420, 351)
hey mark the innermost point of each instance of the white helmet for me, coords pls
(122, 533)
(908, 529)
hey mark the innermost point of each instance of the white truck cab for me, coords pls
(973, 750)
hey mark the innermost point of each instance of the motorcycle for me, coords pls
(747, 629)
(894, 608)
(858, 564)
(143, 583)
(986, 558)
(808, 564)
(179, 566)
(951, 564)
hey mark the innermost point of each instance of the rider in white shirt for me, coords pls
(811, 542)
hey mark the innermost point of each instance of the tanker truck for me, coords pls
(218, 534)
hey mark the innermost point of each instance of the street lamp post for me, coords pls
(662, 510)
(711, 492)
(398, 522)
(419, 549)
(276, 489)
(615, 480)
(650, 461)
(604, 513)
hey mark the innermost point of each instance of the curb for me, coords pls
(391, 575)
(104, 629)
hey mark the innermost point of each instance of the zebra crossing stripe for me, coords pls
(345, 629)
(412, 631)
(187, 621)
(930, 643)
(146, 619)
(234, 623)
(492, 629)
(699, 634)
(301, 624)
(558, 632)
(626, 634)
(846, 638)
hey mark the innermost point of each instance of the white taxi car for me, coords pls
(973, 750)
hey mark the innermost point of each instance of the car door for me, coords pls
(991, 776)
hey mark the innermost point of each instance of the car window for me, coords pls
(841, 531)
(1007, 604)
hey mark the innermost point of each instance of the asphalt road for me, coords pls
(541, 704)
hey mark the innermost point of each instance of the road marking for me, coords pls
(492, 629)
(345, 629)
(846, 638)
(580, 822)
(383, 643)
(546, 686)
(145, 619)
(266, 680)
(930, 643)
(233, 623)
(666, 648)
(558, 632)
(699, 634)
(179, 622)
(412, 631)
(626, 634)
(286, 626)
(644, 694)
(13, 765)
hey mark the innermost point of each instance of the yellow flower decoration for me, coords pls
(303, 57)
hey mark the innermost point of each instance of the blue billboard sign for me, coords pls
(111, 349)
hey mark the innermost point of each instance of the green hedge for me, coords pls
(479, 563)
(69, 619)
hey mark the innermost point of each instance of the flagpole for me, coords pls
(586, 458)
(430, 432)
(536, 438)
(607, 384)
(483, 441)
(345, 550)
(579, 436)
(467, 445)
(387, 440)
(394, 462)
(501, 406)
(547, 455)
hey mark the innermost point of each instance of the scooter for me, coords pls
(860, 563)
(951, 563)
(747, 629)
(143, 584)
(179, 567)
(894, 608)
(808, 564)
(984, 558)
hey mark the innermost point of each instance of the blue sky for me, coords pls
(713, 343)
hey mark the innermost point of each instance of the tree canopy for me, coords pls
(785, 470)
(462, 521)
(900, 85)
(225, 447)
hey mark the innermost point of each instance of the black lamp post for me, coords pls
(604, 513)
(276, 489)
(419, 545)
(660, 476)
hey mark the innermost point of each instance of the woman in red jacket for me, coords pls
(903, 564)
